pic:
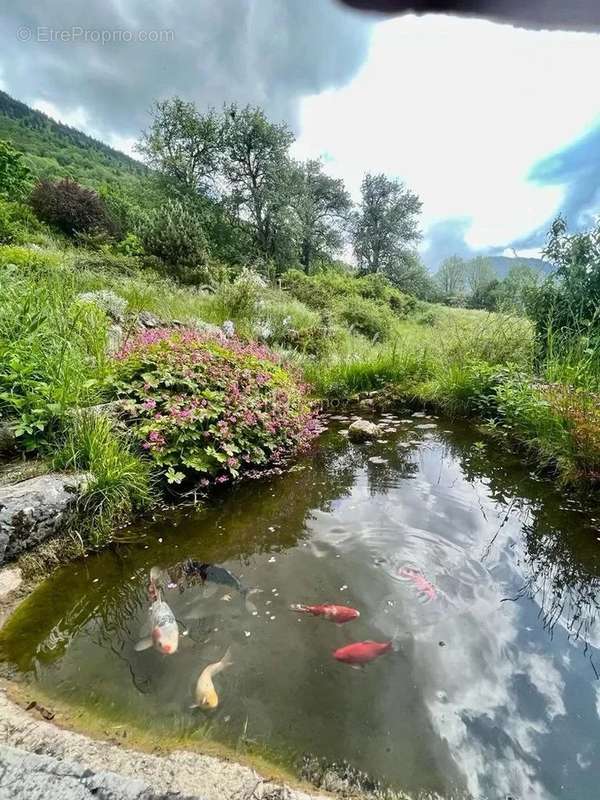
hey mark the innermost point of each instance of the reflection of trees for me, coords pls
(561, 557)
(566, 585)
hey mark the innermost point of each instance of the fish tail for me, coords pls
(300, 607)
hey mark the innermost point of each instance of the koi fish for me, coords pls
(164, 629)
(361, 652)
(420, 582)
(209, 576)
(205, 694)
(333, 613)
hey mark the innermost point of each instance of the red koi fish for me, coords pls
(333, 613)
(420, 581)
(361, 652)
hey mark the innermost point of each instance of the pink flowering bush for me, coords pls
(208, 409)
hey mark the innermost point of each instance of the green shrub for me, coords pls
(377, 287)
(10, 231)
(174, 234)
(71, 208)
(17, 223)
(239, 300)
(120, 482)
(342, 294)
(28, 258)
(14, 174)
(366, 317)
(290, 324)
(130, 246)
(208, 409)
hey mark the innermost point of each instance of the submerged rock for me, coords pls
(363, 431)
(34, 509)
(29, 776)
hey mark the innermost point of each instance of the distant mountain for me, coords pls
(54, 150)
(503, 264)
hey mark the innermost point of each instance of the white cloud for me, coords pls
(461, 110)
(75, 117)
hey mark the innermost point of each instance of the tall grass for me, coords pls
(119, 479)
(52, 350)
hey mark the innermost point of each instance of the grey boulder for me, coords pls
(34, 509)
(363, 431)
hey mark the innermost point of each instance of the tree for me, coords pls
(488, 296)
(321, 204)
(566, 307)
(174, 234)
(479, 272)
(255, 164)
(183, 144)
(14, 175)
(520, 281)
(385, 225)
(451, 276)
(411, 276)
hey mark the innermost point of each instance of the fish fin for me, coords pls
(143, 644)
(209, 590)
(227, 660)
(250, 606)
(194, 705)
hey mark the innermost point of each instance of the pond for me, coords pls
(485, 579)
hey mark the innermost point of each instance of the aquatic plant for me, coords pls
(210, 409)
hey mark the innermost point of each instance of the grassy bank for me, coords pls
(54, 337)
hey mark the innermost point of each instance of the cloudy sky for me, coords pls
(496, 128)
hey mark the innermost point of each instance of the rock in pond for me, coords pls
(363, 431)
(34, 509)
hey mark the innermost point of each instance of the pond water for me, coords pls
(485, 578)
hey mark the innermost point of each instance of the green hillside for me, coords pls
(54, 150)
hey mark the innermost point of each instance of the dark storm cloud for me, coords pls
(577, 169)
(578, 15)
(268, 52)
(446, 238)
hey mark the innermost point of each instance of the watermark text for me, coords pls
(102, 36)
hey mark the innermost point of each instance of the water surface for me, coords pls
(492, 688)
